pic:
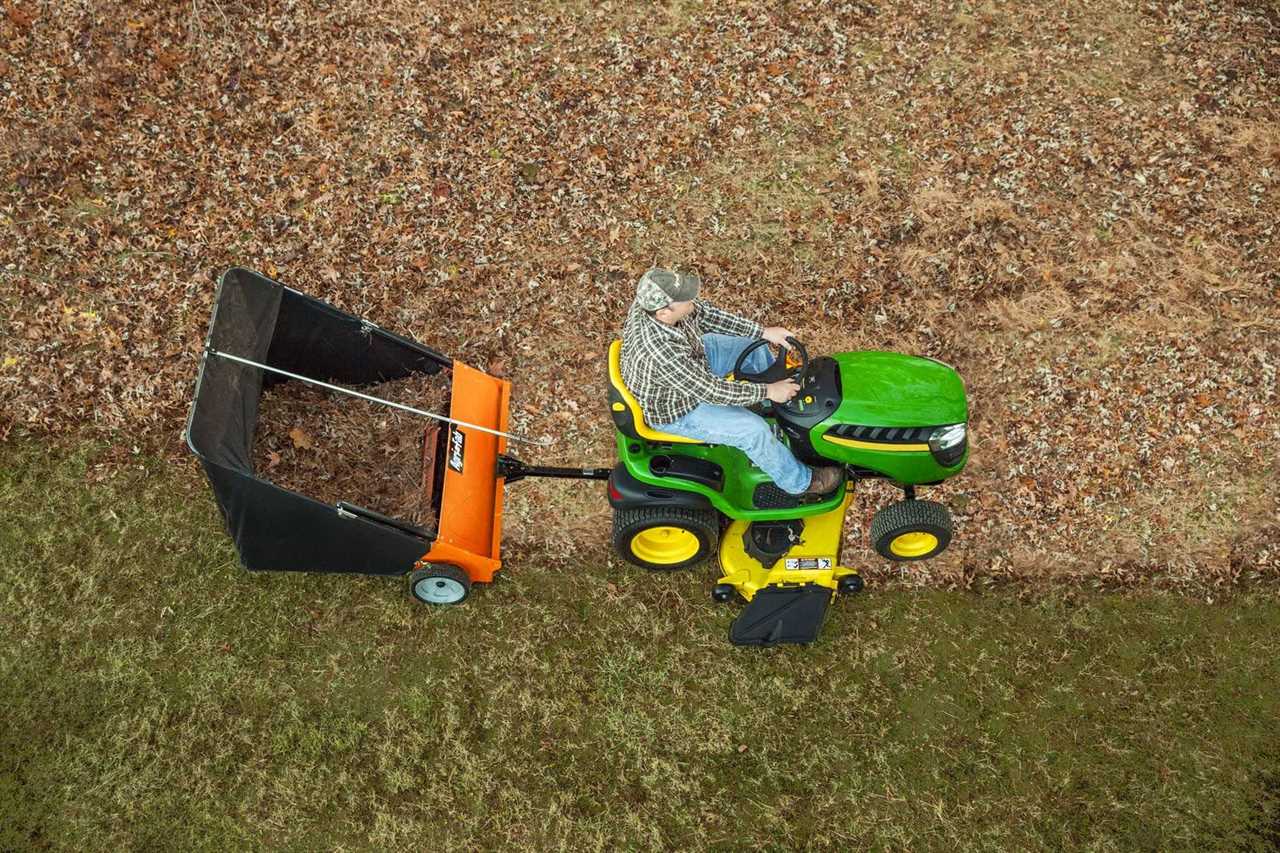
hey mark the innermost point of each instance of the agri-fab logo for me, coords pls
(457, 443)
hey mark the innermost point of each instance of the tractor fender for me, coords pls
(626, 492)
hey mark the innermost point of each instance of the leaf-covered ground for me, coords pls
(1073, 205)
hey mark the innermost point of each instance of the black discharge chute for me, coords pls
(273, 528)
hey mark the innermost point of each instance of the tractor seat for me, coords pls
(626, 411)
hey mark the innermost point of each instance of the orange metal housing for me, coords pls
(469, 531)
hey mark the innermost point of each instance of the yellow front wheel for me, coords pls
(911, 530)
(914, 544)
(662, 538)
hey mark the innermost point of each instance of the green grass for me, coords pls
(158, 696)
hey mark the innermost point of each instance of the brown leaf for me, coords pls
(169, 59)
(301, 439)
(22, 16)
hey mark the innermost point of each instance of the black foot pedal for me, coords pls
(769, 496)
(782, 614)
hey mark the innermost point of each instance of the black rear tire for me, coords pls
(663, 539)
(910, 530)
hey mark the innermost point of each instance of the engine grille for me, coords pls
(885, 435)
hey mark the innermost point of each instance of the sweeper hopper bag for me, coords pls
(264, 336)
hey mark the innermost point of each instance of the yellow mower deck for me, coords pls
(787, 602)
(813, 560)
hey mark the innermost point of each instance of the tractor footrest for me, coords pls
(782, 614)
(769, 496)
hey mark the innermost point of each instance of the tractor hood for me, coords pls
(893, 390)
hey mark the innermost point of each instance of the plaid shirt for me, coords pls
(666, 367)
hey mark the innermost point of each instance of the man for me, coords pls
(675, 350)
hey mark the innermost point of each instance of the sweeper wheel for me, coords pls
(439, 583)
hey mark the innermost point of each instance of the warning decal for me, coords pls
(807, 564)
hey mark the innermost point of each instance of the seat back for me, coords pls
(624, 408)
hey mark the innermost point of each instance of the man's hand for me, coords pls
(782, 390)
(777, 336)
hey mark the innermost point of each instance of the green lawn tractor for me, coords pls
(877, 414)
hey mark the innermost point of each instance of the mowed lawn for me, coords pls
(157, 696)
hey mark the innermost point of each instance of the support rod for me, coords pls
(410, 409)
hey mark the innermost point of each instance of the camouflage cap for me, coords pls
(659, 287)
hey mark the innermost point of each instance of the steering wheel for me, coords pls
(800, 374)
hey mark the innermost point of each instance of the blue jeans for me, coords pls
(737, 427)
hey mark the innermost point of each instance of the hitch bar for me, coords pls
(511, 469)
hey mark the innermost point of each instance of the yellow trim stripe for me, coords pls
(875, 445)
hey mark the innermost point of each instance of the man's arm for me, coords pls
(713, 319)
(676, 369)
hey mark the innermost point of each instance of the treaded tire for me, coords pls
(891, 530)
(628, 524)
(439, 584)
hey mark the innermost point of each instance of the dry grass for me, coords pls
(158, 696)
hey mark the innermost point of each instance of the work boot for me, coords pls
(824, 480)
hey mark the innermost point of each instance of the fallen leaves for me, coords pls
(1033, 198)
(333, 447)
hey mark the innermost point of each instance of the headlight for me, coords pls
(948, 444)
